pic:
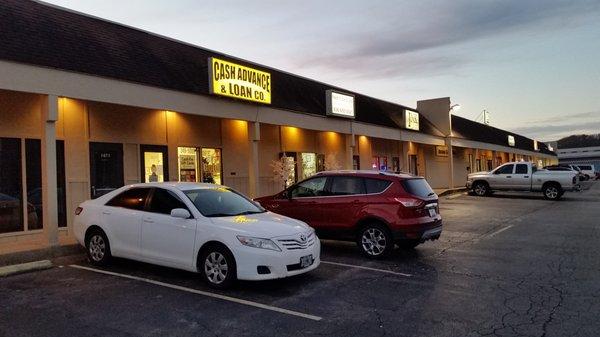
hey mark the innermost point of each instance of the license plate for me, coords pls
(432, 212)
(306, 261)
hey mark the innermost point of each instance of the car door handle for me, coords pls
(526, 177)
(275, 206)
(508, 177)
(106, 213)
(148, 220)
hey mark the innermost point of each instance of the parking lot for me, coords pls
(507, 265)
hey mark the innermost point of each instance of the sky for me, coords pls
(534, 65)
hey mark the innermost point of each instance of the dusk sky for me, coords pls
(535, 65)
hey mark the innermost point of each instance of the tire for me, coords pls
(552, 192)
(408, 244)
(481, 189)
(217, 267)
(97, 248)
(375, 241)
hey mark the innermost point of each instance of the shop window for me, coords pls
(478, 165)
(375, 163)
(383, 164)
(356, 162)
(395, 164)
(490, 165)
(33, 173)
(413, 164)
(11, 206)
(291, 159)
(211, 166)
(309, 164)
(11, 199)
(154, 166)
(320, 162)
(188, 164)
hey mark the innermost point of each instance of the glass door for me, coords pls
(106, 168)
(187, 164)
(413, 164)
(154, 165)
(212, 170)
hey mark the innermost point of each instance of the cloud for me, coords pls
(557, 127)
(412, 38)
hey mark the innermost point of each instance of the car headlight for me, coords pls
(258, 243)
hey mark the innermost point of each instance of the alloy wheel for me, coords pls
(480, 189)
(373, 241)
(552, 192)
(216, 268)
(97, 248)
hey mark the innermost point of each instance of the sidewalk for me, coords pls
(442, 192)
(23, 252)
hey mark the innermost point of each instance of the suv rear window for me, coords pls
(376, 185)
(417, 187)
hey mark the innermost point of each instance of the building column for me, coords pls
(49, 175)
(450, 163)
(253, 171)
(350, 146)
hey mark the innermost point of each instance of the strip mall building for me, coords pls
(88, 105)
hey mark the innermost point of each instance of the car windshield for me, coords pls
(417, 187)
(221, 201)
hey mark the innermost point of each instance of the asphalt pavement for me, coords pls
(512, 264)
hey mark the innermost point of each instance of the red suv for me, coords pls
(375, 209)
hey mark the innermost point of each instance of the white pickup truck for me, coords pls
(523, 176)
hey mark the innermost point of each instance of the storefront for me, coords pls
(93, 122)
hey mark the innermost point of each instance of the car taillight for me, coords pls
(78, 210)
(410, 202)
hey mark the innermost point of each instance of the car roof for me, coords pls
(367, 174)
(183, 186)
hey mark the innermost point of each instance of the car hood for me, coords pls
(264, 225)
(480, 173)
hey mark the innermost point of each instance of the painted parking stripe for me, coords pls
(366, 268)
(500, 231)
(203, 293)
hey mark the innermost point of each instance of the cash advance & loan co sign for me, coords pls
(237, 81)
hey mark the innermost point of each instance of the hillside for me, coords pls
(579, 141)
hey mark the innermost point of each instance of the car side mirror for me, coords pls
(181, 213)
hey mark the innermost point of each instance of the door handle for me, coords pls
(106, 213)
(508, 176)
(275, 206)
(148, 220)
(526, 177)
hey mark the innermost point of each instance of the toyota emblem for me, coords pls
(302, 238)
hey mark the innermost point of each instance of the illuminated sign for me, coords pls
(535, 145)
(441, 151)
(237, 81)
(411, 120)
(338, 104)
(511, 140)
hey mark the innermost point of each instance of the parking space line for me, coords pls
(366, 268)
(500, 231)
(203, 293)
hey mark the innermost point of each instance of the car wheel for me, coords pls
(408, 244)
(217, 267)
(481, 189)
(375, 241)
(98, 248)
(552, 192)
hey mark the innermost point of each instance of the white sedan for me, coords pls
(203, 228)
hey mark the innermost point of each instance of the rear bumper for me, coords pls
(422, 232)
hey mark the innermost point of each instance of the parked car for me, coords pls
(523, 176)
(568, 167)
(204, 228)
(588, 170)
(374, 209)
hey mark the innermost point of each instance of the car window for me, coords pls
(506, 169)
(521, 169)
(309, 188)
(376, 185)
(417, 187)
(164, 201)
(585, 167)
(221, 201)
(134, 198)
(347, 186)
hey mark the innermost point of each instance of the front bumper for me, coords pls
(469, 184)
(248, 259)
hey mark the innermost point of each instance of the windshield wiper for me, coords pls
(215, 215)
(250, 212)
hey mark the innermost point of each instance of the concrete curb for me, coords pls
(453, 191)
(25, 268)
(40, 254)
